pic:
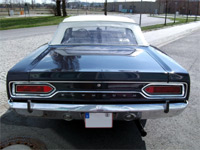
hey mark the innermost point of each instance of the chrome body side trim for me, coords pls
(146, 111)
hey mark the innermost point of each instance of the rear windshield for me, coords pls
(98, 33)
(105, 35)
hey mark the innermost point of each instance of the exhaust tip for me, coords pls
(129, 117)
(67, 117)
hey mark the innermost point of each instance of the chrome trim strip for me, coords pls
(99, 108)
(183, 95)
(93, 82)
(56, 92)
(86, 81)
(107, 92)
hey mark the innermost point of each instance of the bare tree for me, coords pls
(8, 4)
(32, 5)
(58, 8)
(64, 8)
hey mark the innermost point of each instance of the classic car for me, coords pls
(98, 69)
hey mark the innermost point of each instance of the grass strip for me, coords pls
(26, 22)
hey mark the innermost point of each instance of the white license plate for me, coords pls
(98, 120)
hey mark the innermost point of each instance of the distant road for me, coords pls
(28, 32)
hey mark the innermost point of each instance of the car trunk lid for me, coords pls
(83, 63)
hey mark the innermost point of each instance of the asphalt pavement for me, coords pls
(179, 132)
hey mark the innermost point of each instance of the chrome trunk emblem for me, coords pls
(98, 85)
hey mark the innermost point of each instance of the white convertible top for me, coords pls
(88, 21)
(98, 18)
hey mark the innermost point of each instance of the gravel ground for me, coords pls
(11, 53)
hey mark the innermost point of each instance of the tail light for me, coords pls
(33, 88)
(165, 90)
(25, 89)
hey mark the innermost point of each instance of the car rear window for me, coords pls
(104, 35)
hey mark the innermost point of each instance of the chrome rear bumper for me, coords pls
(142, 111)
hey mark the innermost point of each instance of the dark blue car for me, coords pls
(98, 69)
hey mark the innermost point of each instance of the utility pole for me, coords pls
(159, 7)
(175, 12)
(140, 13)
(187, 10)
(197, 10)
(105, 8)
(166, 8)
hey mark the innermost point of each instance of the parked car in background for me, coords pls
(98, 69)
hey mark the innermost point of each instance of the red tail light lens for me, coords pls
(163, 90)
(33, 88)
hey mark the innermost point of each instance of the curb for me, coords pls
(164, 36)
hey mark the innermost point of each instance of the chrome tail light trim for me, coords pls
(182, 95)
(13, 93)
